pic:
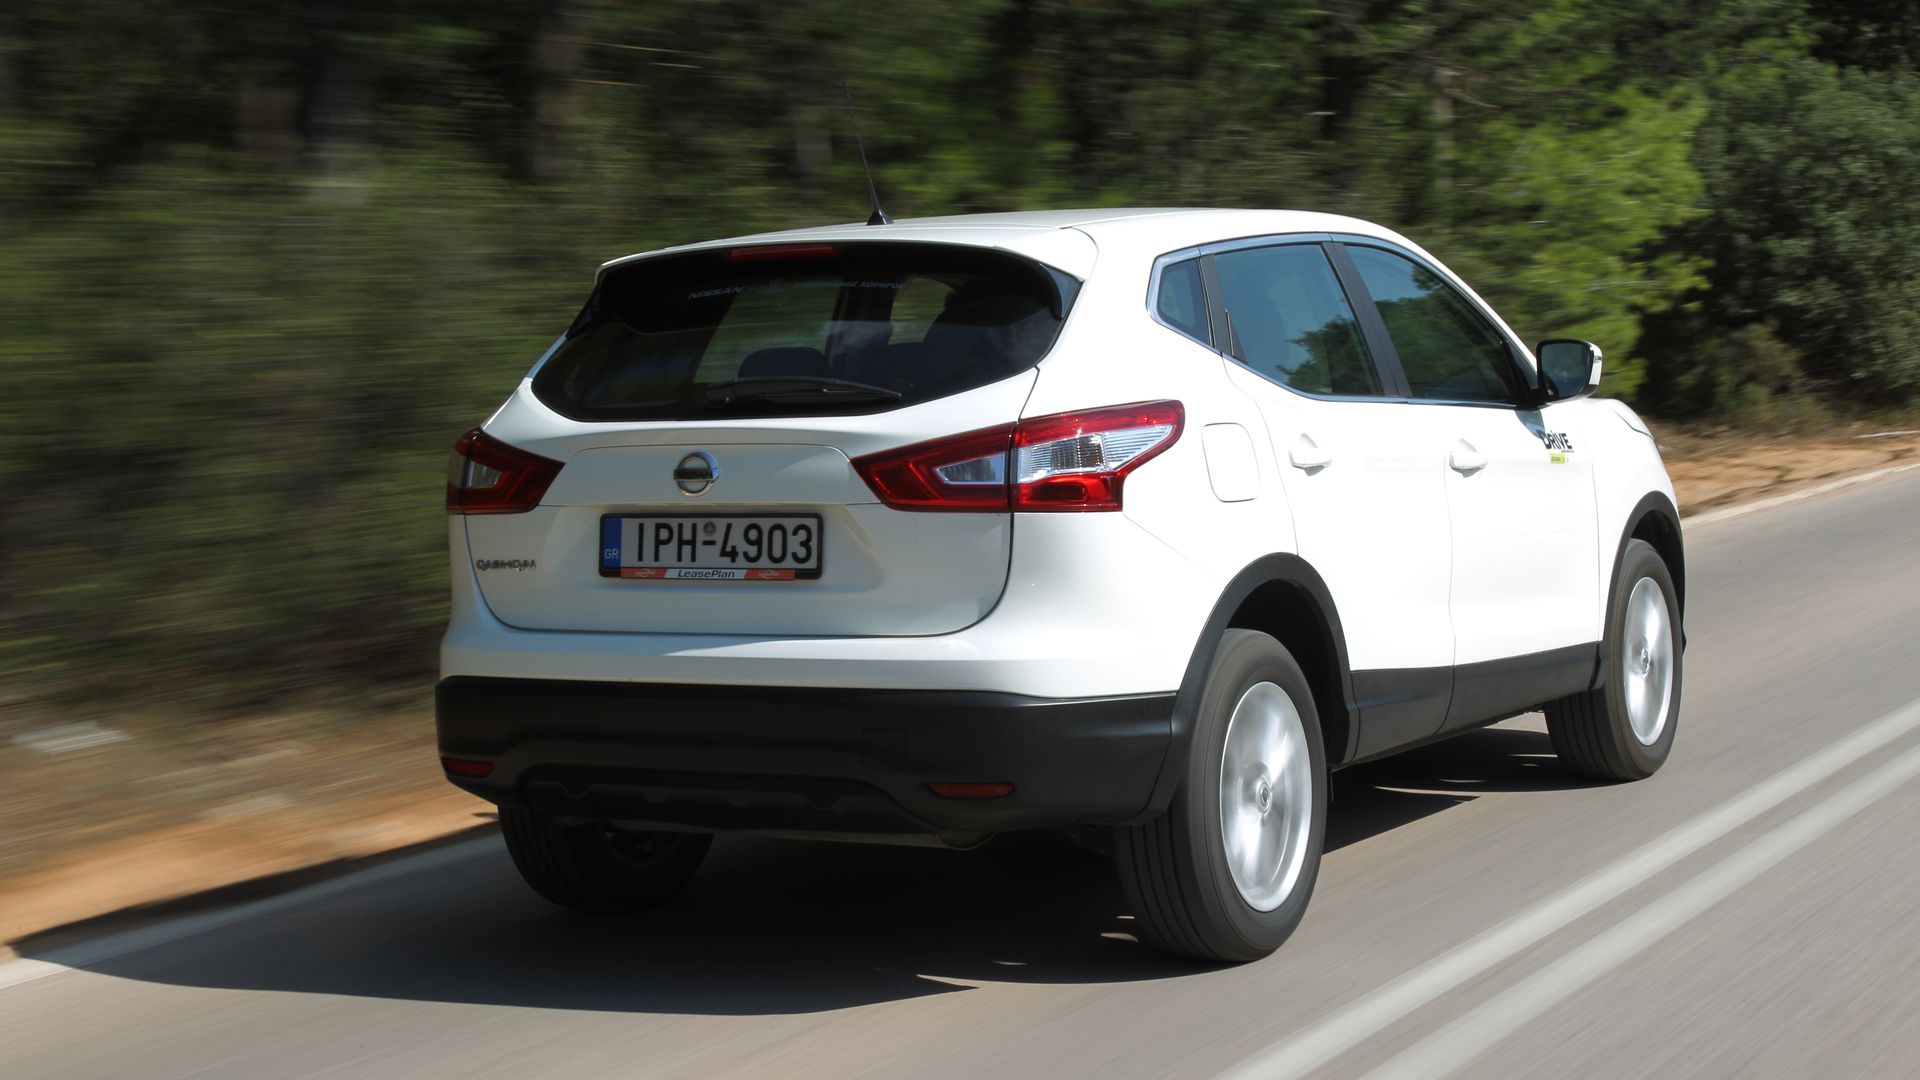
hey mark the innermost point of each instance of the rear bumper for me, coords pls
(803, 759)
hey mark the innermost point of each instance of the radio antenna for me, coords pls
(873, 194)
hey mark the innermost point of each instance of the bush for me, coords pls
(229, 414)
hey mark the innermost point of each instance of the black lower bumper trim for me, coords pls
(803, 759)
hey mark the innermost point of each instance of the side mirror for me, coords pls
(1568, 368)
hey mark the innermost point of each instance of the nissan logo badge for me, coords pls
(695, 473)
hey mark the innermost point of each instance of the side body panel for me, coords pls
(1373, 523)
(1524, 532)
(1627, 470)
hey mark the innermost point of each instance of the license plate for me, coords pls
(711, 547)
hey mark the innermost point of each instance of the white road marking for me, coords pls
(66, 738)
(113, 946)
(1712, 516)
(1462, 1040)
(1352, 1025)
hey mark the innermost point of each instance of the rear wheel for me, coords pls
(1226, 872)
(592, 866)
(1624, 728)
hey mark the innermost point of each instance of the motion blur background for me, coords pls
(264, 260)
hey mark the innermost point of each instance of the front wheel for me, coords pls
(591, 866)
(1623, 729)
(1225, 874)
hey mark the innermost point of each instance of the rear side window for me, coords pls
(846, 328)
(1182, 303)
(1291, 321)
(1449, 351)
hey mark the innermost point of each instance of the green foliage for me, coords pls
(1744, 378)
(1813, 227)
(229, 410)
(1564, 214)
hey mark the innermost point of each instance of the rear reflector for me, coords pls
(466, 767)
(486, 476)
(761, 252)
(995, 790)
(1067, 462)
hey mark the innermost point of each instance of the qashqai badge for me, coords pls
(695, 473)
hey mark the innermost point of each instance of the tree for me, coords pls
(1813, 229)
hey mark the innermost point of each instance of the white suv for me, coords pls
(934, 529)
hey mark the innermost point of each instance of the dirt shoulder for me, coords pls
(1714, 471)
(105, 816)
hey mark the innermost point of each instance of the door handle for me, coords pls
(1465, 459)
(1307, 454)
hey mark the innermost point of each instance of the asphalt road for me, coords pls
(1752, 911)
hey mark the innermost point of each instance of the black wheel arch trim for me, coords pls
(1268, 569)
(1654, 504)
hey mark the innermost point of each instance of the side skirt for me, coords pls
(1403, 707)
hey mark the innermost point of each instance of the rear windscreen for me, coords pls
(801, 329)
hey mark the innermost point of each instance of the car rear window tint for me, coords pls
(918, 321)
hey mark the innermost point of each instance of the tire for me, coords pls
(592, 867)
(1623, 729)
(1176, 870)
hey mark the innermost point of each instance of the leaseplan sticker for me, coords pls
(690, 573)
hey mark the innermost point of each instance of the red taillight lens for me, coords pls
(487, 476)
(1069, 462)
(963, 472)
(467, 767)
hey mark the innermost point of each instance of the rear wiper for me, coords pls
(809, 388)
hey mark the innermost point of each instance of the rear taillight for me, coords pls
(962, 472)
(486, 476)
(1078, 461)
(1068, 462)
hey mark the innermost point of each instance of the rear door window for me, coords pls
(1291, 322)
(804, 330)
